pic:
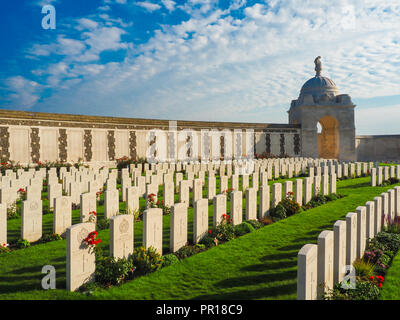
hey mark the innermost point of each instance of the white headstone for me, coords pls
(219, 202)
(351, 238)
(81, 260)
(152, 229)
(251, 204)
(264, 201)
(31, 228)
(307, 270)
(179, 221)
(339, 230)
(121, 236)
(325, 261)
(62, 218)
(200, 220)
(236, 207)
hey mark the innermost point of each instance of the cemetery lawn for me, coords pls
(258, 265)
(391, 286)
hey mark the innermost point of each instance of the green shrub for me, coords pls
(110, 271)
(170, 259)
(188, 251)
(255, 223)
(13, 212)
(103, 224)
(278, 213)
(391, 225)
(4, 249)
(386, 241)
(385, 260)
(373, 255)
(22, 243)
(243, 228)
(207, 241)
(224, 232)
(332, 197)
(365, 290)
(50, 237)
(363, 268)
(266, 221)
(146, 260)
(291, 206)
(320, 199)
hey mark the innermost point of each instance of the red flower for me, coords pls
(371, 278)
(380, 284)
(209, 231)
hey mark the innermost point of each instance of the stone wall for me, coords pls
(378, 148)
(28, 137)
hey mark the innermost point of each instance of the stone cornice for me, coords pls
(28, 118)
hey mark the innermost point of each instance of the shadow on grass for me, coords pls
(359, 185)
(30, 278)
(267, 278)
(251, 294)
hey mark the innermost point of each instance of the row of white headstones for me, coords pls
(380, 174)
(152, 220)
(322, 265)
(32, 207)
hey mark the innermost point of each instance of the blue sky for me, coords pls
(200, 59)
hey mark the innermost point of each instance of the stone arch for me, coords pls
(328, 139)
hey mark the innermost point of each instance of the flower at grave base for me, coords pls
(371, 278)
(380, 284)
(209, 231)
(380, 278)
(91, 238)
(93, 213)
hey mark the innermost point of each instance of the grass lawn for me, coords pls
(391, 285)
(259, 265)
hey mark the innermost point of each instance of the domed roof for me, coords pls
(318, 86)
(320, 90)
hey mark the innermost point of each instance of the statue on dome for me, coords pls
(318, 66)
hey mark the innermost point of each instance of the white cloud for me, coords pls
(42, 3)
(85, 23)
(149, 6)
(169, 4)
(62, 46)
(24, 93)
(218, 67)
